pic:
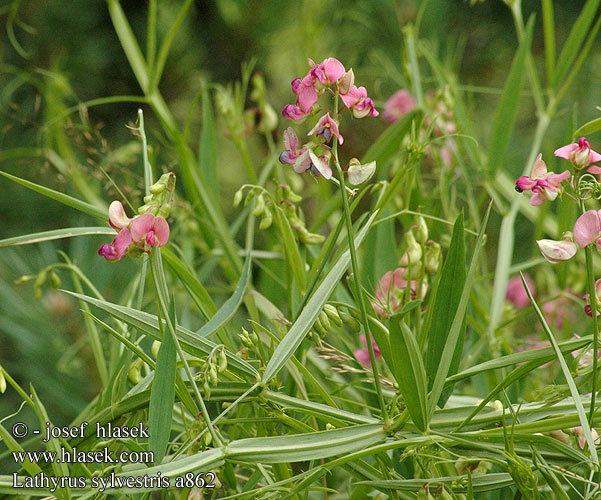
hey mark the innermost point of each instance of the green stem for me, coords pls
(163, 296)
(356, 274)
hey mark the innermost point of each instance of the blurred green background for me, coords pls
(58, 54)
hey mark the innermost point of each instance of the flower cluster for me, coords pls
(315, 155)
(140, 234)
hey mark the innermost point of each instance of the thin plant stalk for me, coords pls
(356, 275)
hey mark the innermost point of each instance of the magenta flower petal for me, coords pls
(122, 242)
(333, 69)
(525, 183)
(140, 226)
(108, 252)
(566, 151)
(587, 228)
(306, 97)
(398, 105)
(292, 112)
(161, 230)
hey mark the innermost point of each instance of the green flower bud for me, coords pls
(319, 327)
(156, 345)
(333, 315)
(325, 321)
(238, 197)
(213, 375)
(413, 254)
(157, 188)
(259, 206)
(245, 338)
(39, 283)
(2, 381)
(54, 279)
(207, 389)
(222, 366)
(207, 438)
(134, 372)
(249, 196)
(351, 322)
(24, 279)
(329, 426)
(422, 230)
(266, 220)
(432, 258)
(311, 238)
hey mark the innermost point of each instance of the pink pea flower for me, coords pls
(117, 217)
(357, 101)
(327, 127)
(581, 155)
(544, 185)
(397, 106)
(147, 231)
(328, 72)
(390, 291)
(118, 247)
(292, 112)
(587, 308)
(588, 229)
(293, 156)
(557, 251)
(516, 293)
(362, 355)
(579, 433)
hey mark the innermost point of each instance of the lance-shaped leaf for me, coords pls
(408, 370)
(57, 234)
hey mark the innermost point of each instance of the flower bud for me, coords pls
(54, 279)
(267, 219)
(259, 206)
(207, 389)
(350, 321)
(310, 238)
(249, 196)
(346, 82)
(413, 254)
(329, 426)
(359, 174)
(325, 321)
(39, 283)
(422, 230)
(134, 372)
(222, 366)
(213, 375)
(238, 197)
(2, 381)
(557, 251)
(156, 345)
(332, 313)
(24, 279)
(318, 326)
(432, 258)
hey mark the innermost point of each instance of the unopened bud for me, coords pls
(352, 323)
(156, 345)
(332, 313)
(134, 372)
(55, 280)
(249, 196)
(238, 197)
(24, 279)
(329, 426)
(2, 381)
(222, 366)
(325, 321)
(413, 254)
(432, 258)
(259, 206)
(422, 230)
(267, 219)
(213, 375)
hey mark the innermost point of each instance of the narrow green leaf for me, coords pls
(11, 443)
(480, 483)
(207, 149)
(588, 128)
(295, 262)
(162, 395)
(574, 42)
(445, 305)
(549, 31)
(56, 234)
(455, 331)
(189, 279)
(408, 370)
(390, 140)
(507, 110)
(229, 308)
(309, 314)
(148, 323)
(567, 374)
(65, 199)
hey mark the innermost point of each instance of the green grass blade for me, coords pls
(148, 323)
(507, 110)
(408, 370)
(293, 256)
(549, 33)
(567, 374)
(445, 305)
(162, 395)
(573, 44)
(588, 128)
(309, 314)
(56, 234)
(65, 199)
(480, 483)
(455, 330)
(389, 141)
(207, 149)
(229, 308)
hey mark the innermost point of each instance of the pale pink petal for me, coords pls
(161, 230)
(307, 97)
(557, 251)
(595, 157)
(290, 139)
(320, 166)
(594, 169)
(117, 217)
(333, 69)
(537, 198)
(362, 356)
(539, 169)
(140, 226)
(587, 228)
(566, 151)
(557, 179)
(352, 97)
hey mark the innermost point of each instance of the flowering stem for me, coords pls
(356, 275)
(590, 279)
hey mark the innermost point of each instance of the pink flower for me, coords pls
(147, 231)
(118, 247)
(357, 101)
(362, 355)
(587, 308)
(516, 293)
(293, 156)
(579, 433)
(143, 232)
(556, 311)
(328, 72)
(397, 106)
(580, 154)
(544, 185)
(588, 229)
(557, 251)
(327, 127)
(291, 112)
(390, 291)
